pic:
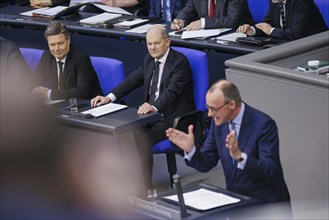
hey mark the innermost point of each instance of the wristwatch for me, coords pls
(239, 159)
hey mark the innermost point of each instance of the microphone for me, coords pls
(179, 192)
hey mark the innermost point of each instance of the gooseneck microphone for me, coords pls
(179, 192)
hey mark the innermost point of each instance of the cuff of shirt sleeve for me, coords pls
(242, 164)
(154, 108)
(203, 23)
(253, 31)
(112, 97)
(188, 156)
(48, 94)
(272, 30)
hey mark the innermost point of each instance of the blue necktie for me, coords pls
(233, 129)
(166, 11)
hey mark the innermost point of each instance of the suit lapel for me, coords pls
(167, 67)
(204, 8)
(245, 128)
(53, 77)
(148, 76)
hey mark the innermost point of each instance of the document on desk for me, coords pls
(140, 29)
(105, 109)
(230, 37)
(204, 199)
(203, 33)
(30, 12)
(99, 19)
(110, 9)
(131, 23)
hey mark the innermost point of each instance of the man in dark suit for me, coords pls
(168, 90)
(289, 20)
(207, 14)
(65, 69)
(12, 63)
(166, 9)
(245, 139)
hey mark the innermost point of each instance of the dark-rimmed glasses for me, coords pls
(215, 110)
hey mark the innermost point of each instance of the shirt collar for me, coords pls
(238, 119)
(62, 60)
(164, 57)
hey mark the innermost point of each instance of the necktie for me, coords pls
(232, 124)
(166, 15)
(60, 78)
(282, 15)
(212, 9)
(155, 79)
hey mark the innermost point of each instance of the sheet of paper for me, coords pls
(200, 33)
(52, 11)
(230, 37)
(130, 23)
(204, 199)
(98, 19)
(29, 13)
(110, 9)
(141, 29)
(105, 109)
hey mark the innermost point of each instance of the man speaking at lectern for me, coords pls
(244, 139)
(167, 79)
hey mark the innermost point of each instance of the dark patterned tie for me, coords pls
(155, 79)
(60, 78)
(282, 15)
(212, 9)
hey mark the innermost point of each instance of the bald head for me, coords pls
(228, 89)
(158, 30)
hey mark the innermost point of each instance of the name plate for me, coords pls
(154, 208)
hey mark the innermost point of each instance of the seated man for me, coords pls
(166, 9)
(208, 14)
(167, 79)
(245, 140)
(66, 70)
(288, 20)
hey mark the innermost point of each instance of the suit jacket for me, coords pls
(80, 78)
(303, 18)
(175, 7)
(229, 13)
(176, 89)
(262, 177)
(12, 63)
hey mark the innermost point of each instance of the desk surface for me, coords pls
(10, 16)
(116, 122)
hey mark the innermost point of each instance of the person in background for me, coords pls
(47, 3)
(129, 5)
(288, 20)
(167, 79)
(245, 140)
(64, 68)
(12, 63)
(166, 9)
(208, 14)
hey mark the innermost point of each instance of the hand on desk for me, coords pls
(177, 24)
(99, 100)
(40, 3)
(266, 28)
(246, 29)
(146, 108)
(181, 139)
(40, 92)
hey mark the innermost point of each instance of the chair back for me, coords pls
(32, 57)
(199, 66)
(110, 72)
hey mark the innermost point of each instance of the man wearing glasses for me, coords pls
(245, 139)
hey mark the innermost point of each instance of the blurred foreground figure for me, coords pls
(45, 175)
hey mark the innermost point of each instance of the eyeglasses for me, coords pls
(215, 110)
